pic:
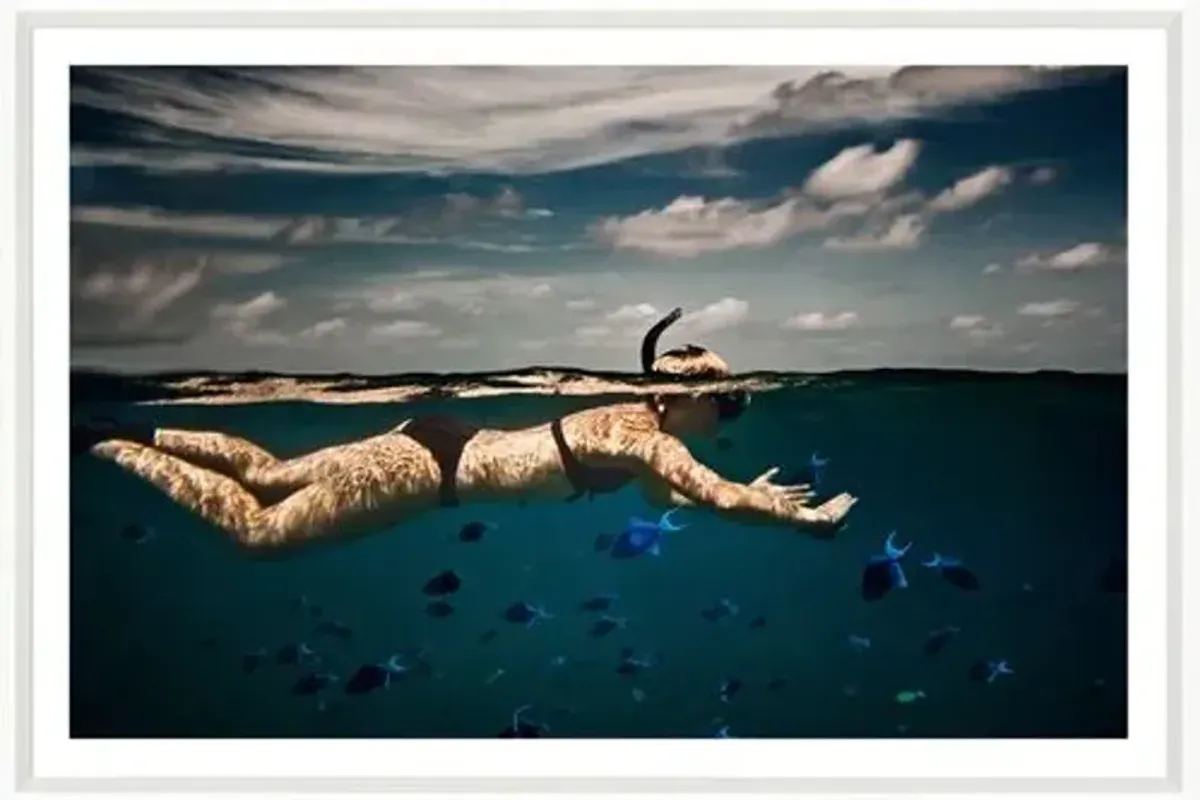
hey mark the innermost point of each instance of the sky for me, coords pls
(387, 220)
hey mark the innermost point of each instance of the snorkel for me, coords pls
(650, 340)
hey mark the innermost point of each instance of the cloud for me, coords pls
(992, 269)
(820, 321)
(465, 291)
(691, 226)
(445, 221)
(252, 310)
(581, 305)
(1043, 175)
(458, 343)
(1049, 308)
(727, 312)
(632, 313)
(244, 319)
(1081, 256)
(970, 190)
(325, 328)
(836, 97)
(966, 321)
(903, 233)
(405, 329)
(495, 119)
(127, 297)
(861, 170)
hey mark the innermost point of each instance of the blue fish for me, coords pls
(642, 536)
(988, 671)
(858, 643)
(815, 466)
(953, 571)
(722, 733)
(883, 572)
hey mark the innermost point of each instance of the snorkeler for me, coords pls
(366, 486)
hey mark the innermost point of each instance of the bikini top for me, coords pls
(584, 478)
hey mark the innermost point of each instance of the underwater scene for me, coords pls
(978, 589)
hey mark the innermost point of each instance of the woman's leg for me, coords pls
(377, 483)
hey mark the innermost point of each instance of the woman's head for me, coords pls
(696, 412)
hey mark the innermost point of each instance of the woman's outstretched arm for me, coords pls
(681, 476)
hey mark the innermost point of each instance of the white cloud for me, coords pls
(423, 119)
(966, 321)
(581, 305)
(324, 328)
(992, 269)
(904, 233)
(1049, 308)
(986, 333)
(592, 331)
(632, 313)
(861, 170)
(1043, 175)
(970, 190)
(405, 329)
(725, 313)
(1081, 256)
(820, 321)
(251, 310)
(691, 226)
(466, 291)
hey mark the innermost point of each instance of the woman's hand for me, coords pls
(828, 519)
(798, 494)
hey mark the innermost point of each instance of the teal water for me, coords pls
(1024, 477)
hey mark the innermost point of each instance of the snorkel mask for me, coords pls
(730, 405)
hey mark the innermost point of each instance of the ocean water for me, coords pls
(1023, 477)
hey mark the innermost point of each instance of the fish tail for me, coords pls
(898, 577)
(934, 562)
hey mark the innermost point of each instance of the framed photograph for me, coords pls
(394, 384)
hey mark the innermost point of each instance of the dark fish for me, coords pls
(723, 608)
(601, 602)
(370, 677)
(758, 622)
(937, 640)
(631, 666)
(603, 542)
(522, 729)
(443, 583)
(439, 609)
(626, 653)
(474, 531)
(606, 625)
(979, 670)
(525, 614)
(313, 682)
(332, 627)
(488, 635)
(293, 653)
(729, 688)
(777, 684)
(137, 534)
(883, 572)
(253, 660)
(953, 571)
(1115, 577)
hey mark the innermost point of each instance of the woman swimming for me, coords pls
(434, 461)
